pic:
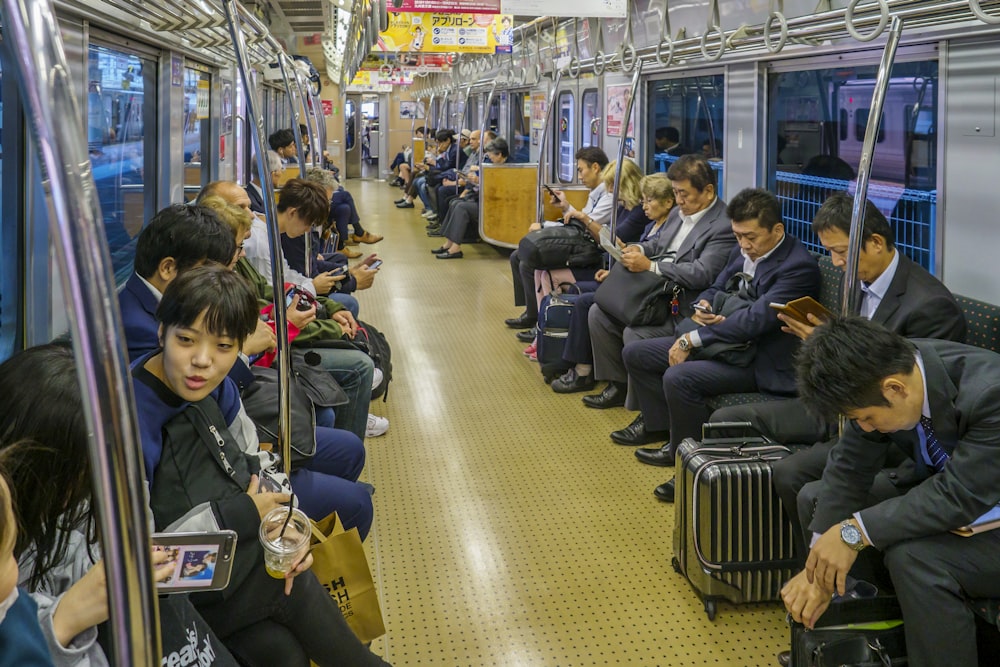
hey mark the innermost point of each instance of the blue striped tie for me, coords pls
(938, 457)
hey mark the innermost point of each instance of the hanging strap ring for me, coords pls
(670, 52)
(628, 64)
(704, 44)
(883, 21)
(782, 36)
(977, 9)
(573, 68)
(599, 63)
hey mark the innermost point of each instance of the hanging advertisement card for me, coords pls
(448, 33)
(617, 97)
(447, 6)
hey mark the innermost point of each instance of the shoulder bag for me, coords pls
(638, 299)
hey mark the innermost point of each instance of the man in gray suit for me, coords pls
(691, 250)
(940, 402)
(898, 294)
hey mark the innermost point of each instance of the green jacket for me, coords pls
(316, 330)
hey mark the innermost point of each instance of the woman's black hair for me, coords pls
(227, 300)
(43, 455)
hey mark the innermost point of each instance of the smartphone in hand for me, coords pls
(202, 561)
(551, 191)
(374, 265)
(702, 308)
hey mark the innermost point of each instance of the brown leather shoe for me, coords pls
(351, 253)
(367, 237)
(350, 240)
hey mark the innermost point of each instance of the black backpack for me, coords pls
(560, 246)
(380, 352)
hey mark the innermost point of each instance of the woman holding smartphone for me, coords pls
(43, 436)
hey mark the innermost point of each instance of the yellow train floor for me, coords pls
(509, 530)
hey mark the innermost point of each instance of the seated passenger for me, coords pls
(590, 164)
(691, 249)
(668, 140)
(253, 188)
(351, 368)
(939, 402)
(44, 437)
(282, 142)
(670, 377)
(657, 197)
(20, 634)
(463, 211)
(204, 316)
(898, 294)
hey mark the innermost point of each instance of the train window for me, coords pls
(493, 115)
(121, 136)
(816, 132)
(564, 134)
(11, 229)
(350, 108)
(196, 115)
(687, 116)
(520, 124)
(590, 123)
(861, 124)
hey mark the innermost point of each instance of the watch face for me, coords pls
(850, 534)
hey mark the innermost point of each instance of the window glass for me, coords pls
(10, 232)
(687, 117)
(566, 111)
(197, 88)
(590, 125)
(816, 133)
(350, 109)
(121, 122)
(520, 124)
(493, 115)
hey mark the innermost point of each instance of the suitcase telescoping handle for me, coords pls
(751, 436)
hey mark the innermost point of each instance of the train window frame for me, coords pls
(205, 138)
(560, 169)
(908, 199)
(149, 137)
(518, 126)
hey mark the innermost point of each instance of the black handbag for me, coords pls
(560, 246)
(738, 295)
(865, 632)
(638, 299)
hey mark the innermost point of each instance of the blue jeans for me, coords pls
(353, 370)
(347, 301)
(423, 193)
(327, 482)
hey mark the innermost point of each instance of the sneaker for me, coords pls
(400, 201)
(377, 378)
(405, 204)
(531, 350)
(427, 213)
(376, 426)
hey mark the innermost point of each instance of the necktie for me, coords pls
(935, 453)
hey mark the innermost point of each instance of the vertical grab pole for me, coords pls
(95, 323)
(307, 259)
(293, 103)
(621, 149)
(482, 149)
(851, 298)
(274, 234)
(310, 126)
(543, 143)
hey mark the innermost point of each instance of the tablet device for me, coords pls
(202, 561)
(799, 308)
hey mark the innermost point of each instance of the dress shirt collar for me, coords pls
(156, 292)
(878, 287)
(696, 218)
(750, 266)
(925, 411)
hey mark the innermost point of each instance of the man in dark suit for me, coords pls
(940, 402)
(668, 140)
(691, 250)
(672, 383)
(898, 294)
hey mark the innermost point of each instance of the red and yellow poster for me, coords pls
(448, 33)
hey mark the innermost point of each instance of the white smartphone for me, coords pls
(202, 561)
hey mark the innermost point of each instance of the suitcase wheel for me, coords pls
(676, 565)
(710, 609)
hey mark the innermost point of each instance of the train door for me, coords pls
(196, 114)
(590, 118)
(564, 133)
(352, 135)
(519, 126)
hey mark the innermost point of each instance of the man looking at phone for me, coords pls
(590, 162)
(672, 378)
(897, 293)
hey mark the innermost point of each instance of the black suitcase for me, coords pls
(732, 536)
(866, 631)
(554, 314)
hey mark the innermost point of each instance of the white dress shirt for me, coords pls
(258, 253)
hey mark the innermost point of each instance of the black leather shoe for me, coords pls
(527, 336)
(522, 321)
(450, 255)
(571, 382)
(405, 204)
(785, 658)
(439, 251)
(613, 396)
(665, 491)
(635, 434)
(435, 233)
(661, 456)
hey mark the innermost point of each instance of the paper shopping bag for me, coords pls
(340, 564)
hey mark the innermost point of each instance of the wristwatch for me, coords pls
(851, 536)
(684, 343)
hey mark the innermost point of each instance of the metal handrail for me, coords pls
(851, 298)
(621, 150)
(39, 64)
(274, 234)
(543, 143)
